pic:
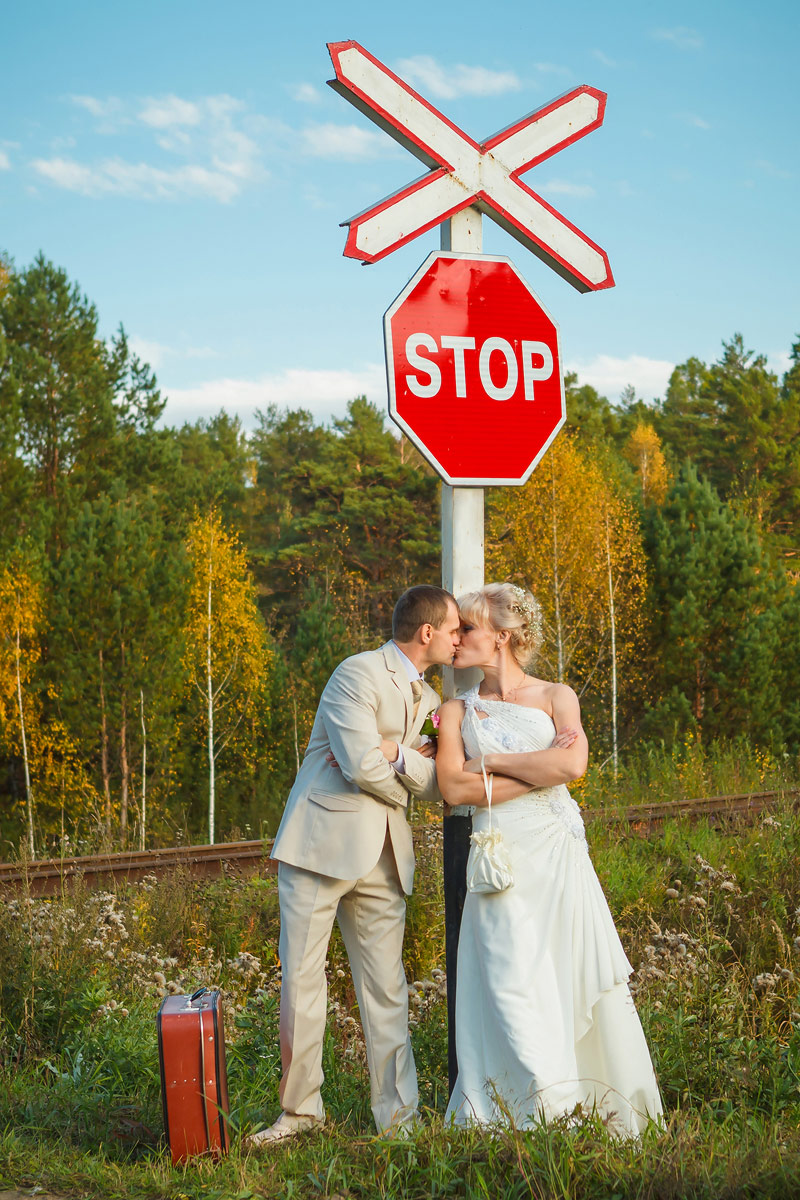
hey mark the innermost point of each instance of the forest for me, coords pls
(172, 600)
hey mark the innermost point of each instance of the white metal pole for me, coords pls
(462, 507)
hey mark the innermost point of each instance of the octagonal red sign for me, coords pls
(474, 369)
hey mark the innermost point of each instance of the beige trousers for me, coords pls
(371, 916)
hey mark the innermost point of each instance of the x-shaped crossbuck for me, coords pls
(464, 172)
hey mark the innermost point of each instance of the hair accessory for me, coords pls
(529, 608)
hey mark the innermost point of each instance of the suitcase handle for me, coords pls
(203, 1096)
(196, 995)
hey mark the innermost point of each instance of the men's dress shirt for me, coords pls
(413, 673)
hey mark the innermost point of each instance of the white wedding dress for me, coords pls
(544, 1017)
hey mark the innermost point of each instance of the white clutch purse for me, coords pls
(489, 867)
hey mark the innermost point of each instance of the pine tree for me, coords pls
(355, 503)
(715, 601)
(55, 375)
(115, 610)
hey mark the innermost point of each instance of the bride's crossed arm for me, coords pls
(559, 763)
(460, 780)
(456, 783)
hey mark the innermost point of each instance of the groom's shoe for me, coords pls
(287, 1125)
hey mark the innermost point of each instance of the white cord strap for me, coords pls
(488, 783)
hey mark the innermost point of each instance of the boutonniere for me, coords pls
(430, 726)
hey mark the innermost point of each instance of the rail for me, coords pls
(47, 877)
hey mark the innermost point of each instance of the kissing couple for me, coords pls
(545, 1020)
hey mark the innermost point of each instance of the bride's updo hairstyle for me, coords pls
(505, 606)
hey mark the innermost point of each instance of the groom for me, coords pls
(345, 852)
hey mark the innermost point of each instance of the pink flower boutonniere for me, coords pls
(430, 726)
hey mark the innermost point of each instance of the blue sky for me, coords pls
(189, 168)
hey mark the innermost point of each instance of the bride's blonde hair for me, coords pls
(505, 606)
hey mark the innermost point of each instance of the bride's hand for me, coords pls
(564, 739)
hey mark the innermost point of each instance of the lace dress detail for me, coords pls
(515, 729)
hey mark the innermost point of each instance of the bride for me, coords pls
(544, 1018)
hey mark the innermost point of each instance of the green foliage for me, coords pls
(362, 507)
(715, 604)
(334, 521)
(709, 918)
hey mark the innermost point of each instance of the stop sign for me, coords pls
(474, 369)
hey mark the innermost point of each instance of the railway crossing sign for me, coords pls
(466, 173)
(474, 369)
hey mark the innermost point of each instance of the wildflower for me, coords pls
(160, 978)
(763, 982)
(672, 893)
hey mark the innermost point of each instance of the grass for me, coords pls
(691, 769)
(709, 917)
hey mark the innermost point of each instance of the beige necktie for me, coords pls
(416, 694)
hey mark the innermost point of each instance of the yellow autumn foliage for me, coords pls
(573, 537)
(644, 452)
(226, 656)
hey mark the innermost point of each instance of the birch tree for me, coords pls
(572, 536)
(644, 452)
(21, 619)
(226, 651)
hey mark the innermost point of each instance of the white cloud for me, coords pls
(680, 36)
(209, 136)
(563, 187)
(325, 393)
(547, 68)
(5, 161)
(609, 375)
(170, 111)
(697, 122)
(769, 168)
(779, 361)
(155, 354)
(603, 58)
(103, 109)
(347, 143)
(435, 79)
(305, 93)
(114, 176)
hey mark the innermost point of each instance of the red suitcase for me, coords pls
(194, 1081)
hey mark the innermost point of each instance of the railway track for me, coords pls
(46, 877)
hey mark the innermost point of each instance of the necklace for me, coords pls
(506, 698)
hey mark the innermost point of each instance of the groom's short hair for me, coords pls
(420, 605)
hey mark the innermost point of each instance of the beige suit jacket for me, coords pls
(336, 818)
